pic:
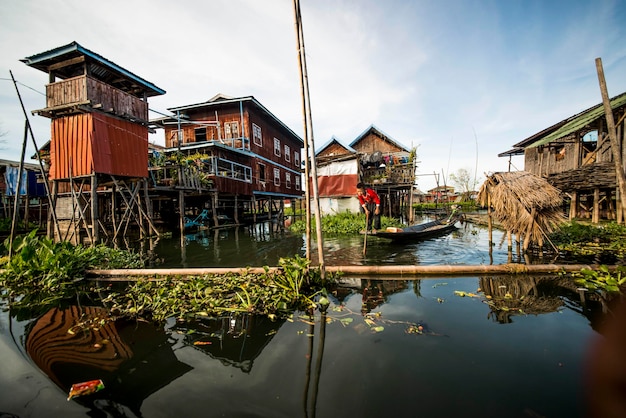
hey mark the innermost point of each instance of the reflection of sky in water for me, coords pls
(260, 245)
(462, 365)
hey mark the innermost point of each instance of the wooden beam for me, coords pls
(66, 63)
(573, 206)
(595, 217)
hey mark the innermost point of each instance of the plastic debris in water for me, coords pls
(85, 388)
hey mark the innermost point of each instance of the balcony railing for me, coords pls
(84, 90)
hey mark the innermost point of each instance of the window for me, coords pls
(296, 159)
(231, 130)
(288, 180)
(276, 177)
(261, 173)
(277, 147)
(177, 138)
(200, 134)
(590, 144)
(297, 182)
(287, 153)
(559, 152)
(256, 135)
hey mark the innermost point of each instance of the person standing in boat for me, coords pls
(370, 202)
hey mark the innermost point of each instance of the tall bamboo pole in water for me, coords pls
(610, 124)
(309, 146)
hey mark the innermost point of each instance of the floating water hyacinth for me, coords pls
(85, 388)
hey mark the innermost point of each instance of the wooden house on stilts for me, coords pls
(249, 161)
(575, 156)
(373, 158)
(98, 157)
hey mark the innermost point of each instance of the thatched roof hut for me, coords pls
(523, 204)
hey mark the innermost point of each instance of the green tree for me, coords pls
(465, 182)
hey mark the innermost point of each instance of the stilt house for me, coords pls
(99, 142)
(373, 158)
(249, 159)
(575, 156)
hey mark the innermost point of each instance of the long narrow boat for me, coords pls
(422, 231)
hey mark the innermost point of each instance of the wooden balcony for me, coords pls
(84, 94)
(396, 175)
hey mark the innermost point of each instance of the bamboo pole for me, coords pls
(309, 145)
(52, 209)
(615, 146)
(386, 270)
(18, 187)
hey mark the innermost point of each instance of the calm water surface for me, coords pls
(456, 346)
(264, 244)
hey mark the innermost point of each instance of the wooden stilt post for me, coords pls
(146, 198)
(529, 229)
(619, 216)
(94, 210)
(489, 222)
(236, 211)
(181, 212)
(216, 204)
(509, 238)
(270, 202)
(573, 206)
(254, 208)
(595, 216)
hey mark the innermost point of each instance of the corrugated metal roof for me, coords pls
(578, 122)
(99, 67)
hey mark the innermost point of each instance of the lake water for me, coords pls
(264, 244)
(441, 347)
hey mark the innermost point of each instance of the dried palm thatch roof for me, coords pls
(524, 204)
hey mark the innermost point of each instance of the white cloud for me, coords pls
(446, 76)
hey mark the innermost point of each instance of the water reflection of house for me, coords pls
(373, 158)
(234, 340)
(78, 344)
(374, 293)
(535, 295)
(575, 156)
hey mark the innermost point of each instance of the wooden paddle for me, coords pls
(365, 239)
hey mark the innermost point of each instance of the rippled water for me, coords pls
(260, 245)
(401, 348)
(508, 346)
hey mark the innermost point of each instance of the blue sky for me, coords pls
(461, 80)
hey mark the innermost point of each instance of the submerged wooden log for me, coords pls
(402, 271)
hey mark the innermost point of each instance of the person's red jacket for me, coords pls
(370, 197)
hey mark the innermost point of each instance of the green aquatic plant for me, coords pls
(342, 223)
(41, 271)
(586, 239)
(601, 279)
(293, 286)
